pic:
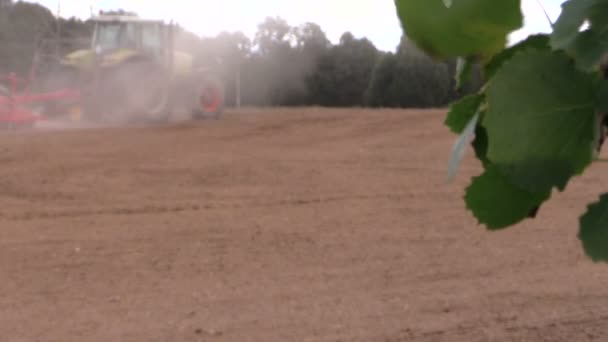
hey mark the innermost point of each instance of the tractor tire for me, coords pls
(4, 91)
(149, 92)
(133, 92)
(5, 97)
(209, 98)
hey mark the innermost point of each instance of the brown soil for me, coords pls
(280, 225)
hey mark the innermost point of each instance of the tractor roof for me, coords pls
(102, 17)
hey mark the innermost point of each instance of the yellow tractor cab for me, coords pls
(133, 72)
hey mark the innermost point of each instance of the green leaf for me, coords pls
(602, 96)
(598, 16)
(541, 120)
(480, 145)
(587, 46)
(464, 28)
(462, 111)
(594, 230)
(460, 146)
(537, 41)
(497, 203)
(572, 17)
(463, 71)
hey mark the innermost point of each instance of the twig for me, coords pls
(546, 14)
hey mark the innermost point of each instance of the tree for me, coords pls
(273, 36)
(282, 58)
(230, 50)
(381, 90)
(538, 121)
(343, 73)
(75, 34)
(409, 79)
(311, 39)
(24, 27)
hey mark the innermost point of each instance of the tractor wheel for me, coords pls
(148, 92)
(134, 92)
(5, 99)
(209, 99)
(4, 91)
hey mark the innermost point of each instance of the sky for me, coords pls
(374, 19)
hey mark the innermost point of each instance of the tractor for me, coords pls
(132, 73)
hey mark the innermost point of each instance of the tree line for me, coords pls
(282, 65)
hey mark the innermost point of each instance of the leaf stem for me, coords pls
(546, 14)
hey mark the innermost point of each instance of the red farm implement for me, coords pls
(18, 102)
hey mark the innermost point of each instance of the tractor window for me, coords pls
(107, 36)
(116, 35)
(129, 37)
(151, 38)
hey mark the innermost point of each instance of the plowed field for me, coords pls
(279, 225)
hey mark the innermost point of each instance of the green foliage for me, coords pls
(498, 203)
(343, 73)
(459, 27)
(23, 27)
(535, 42)
(480, 144)
(594, 230)
(28, 29)
(602, 96)
(459, 149)
(463, 111)
(464, 67)
(409, 78)
(381, 92)
(541, 120)
(588, 46)
(537, 117)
